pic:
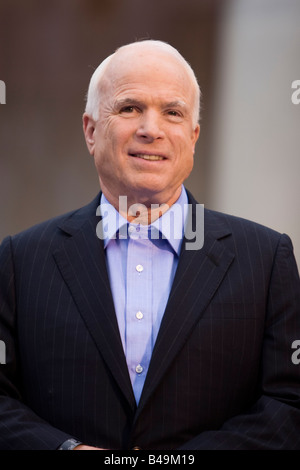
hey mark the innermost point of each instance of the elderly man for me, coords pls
(120, 336)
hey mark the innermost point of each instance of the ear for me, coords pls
(195, 136)
(89, 126)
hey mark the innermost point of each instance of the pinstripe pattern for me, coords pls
(220, 377)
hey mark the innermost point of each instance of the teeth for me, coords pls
(149, 157)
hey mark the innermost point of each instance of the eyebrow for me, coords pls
(175, 104)
(134, 102)
(127, 102)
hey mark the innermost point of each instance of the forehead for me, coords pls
(154, 73)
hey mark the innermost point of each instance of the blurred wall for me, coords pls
(245, 55)
(49, 51)
(254, 166)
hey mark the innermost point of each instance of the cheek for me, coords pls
(185, 146)
(188, 165)
(109, 152)
(117, 130)
(185, 160)
(105, 142)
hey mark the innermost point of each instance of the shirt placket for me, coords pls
(139, 310)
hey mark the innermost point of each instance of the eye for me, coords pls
(174, 115)
(127, 109)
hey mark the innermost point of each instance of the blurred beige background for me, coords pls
(245, 54)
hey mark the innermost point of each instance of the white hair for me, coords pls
(93, 97)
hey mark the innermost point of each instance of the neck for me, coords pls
(143, 213)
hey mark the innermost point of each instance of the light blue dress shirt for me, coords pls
(141, 263)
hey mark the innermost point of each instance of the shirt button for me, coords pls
(139, 369)
(130, 229)
(139, 315)
(139, 268)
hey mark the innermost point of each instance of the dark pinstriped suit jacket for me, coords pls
(221, 374)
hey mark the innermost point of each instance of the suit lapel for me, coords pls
(197, 278)
(81, 261)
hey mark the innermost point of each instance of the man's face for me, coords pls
(143, 142)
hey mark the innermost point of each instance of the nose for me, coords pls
(150, 126)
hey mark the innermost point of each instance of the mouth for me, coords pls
(149, 157)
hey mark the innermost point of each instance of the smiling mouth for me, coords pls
(148, 157)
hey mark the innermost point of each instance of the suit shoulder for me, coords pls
(240, 226)
(222, 222)
(45, 227)
(249, 236)
(52, 228)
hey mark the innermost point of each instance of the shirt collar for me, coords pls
(171, 224)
